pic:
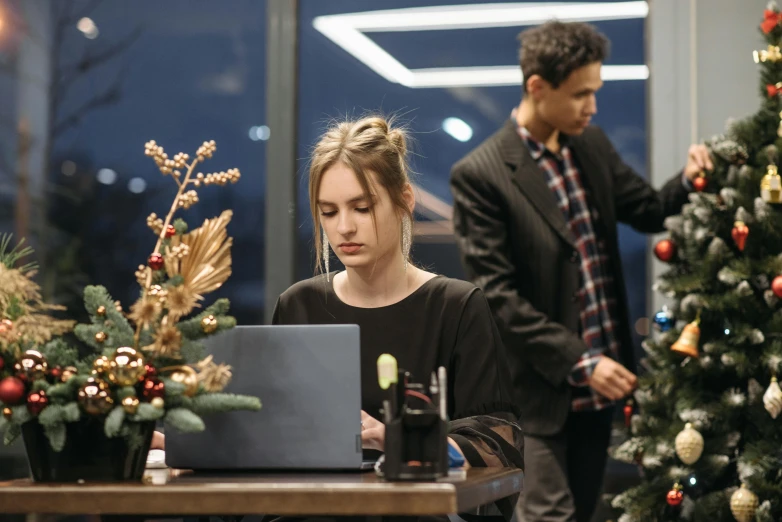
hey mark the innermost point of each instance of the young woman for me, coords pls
(362, 205)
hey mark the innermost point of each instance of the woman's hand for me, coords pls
(373, 432)
(158, 441)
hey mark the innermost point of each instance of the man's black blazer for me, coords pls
(514, 243)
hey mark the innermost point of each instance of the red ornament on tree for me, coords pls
(665, 250)
(776, 286)
(739, 234)
(37, 401)
(628, 411)
(170, 231)
(11, 391)
(700, 183)
(149, 371)
(152, 388)
(675, 496)
(56, 373)
(2, 364)
(155, 261)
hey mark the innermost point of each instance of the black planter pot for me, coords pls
(88, 454)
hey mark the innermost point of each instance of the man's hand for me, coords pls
(612, 380)
(373, 432)
(698, 160)
(158, 441)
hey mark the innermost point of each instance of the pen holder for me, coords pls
(416, 447)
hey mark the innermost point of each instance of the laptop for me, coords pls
(308, 378)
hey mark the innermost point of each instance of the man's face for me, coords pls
(570, 107)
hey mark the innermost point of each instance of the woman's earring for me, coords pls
(326, 254)
(407, 238)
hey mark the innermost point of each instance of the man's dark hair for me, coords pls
(555, 49)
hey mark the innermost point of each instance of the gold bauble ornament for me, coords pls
(101, 311)
(100, 365)
(186, 376)
(67, 373)
(689, 444)
(158, 402)
(31, 366)
(772, 399)
(8, 413)
(771, 186)
(126, 367)
(687, 344)
(209, 324)
(100, 337)
(743, 504)
(130, 404)
(94, 397)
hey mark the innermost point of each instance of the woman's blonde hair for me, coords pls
(367, 146)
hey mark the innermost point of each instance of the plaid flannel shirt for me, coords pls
(597, 292)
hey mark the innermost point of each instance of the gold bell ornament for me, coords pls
(687, 344)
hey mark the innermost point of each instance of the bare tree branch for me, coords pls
(108, 97)
(70, 73)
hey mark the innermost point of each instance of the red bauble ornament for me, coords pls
(700, 183)
(11, 391)
(739, 234)
(37, 401)
(776, 286)
(149, 372)
(152, 388)
(628, 411)
(56, 373)
(170, 231)
(665, 250)
(675, 496)
(155, 261)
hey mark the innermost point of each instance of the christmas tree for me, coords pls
(143, 366)
(707, 433)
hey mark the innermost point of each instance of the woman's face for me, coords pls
(346, 216)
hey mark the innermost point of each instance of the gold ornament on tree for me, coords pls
(771, 186)
(67, 373)
(209, 324)
(772, 399)
(100, 337)
(186, 376)
(743, 504)
(100, 366)
(31, 366)
(8, 413)
(689, 444)
(158, 402)
(130, 404)
(126, 367)
(95, 398)
(687, 344)
(101, 311)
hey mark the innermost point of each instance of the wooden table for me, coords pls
(182, 493)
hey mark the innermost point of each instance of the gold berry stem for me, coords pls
(167, 221)
(171, 212)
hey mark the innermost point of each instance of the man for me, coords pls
(536, 208)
